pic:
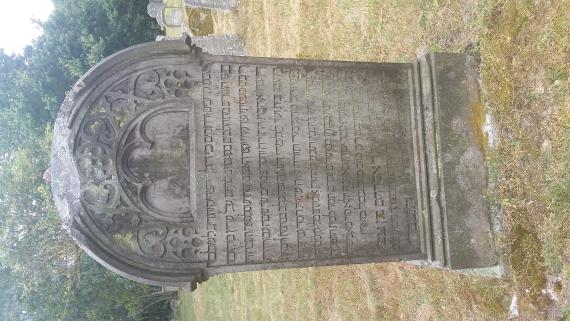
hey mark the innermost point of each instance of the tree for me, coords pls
(10, 308)
(44, 275)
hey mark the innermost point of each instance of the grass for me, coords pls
(187, 308)
(363, 292)
(524, 48)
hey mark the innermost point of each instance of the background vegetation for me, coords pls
(524, 49)
(43, 274)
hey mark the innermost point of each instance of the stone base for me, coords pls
(451, 175)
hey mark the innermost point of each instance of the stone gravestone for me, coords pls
(171, 165)
(227, 45)
(212, 4)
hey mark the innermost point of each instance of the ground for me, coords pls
(524, 49)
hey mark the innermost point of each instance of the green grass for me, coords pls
(187, 307)
(524, 47)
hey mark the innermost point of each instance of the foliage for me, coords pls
(43, 274)
(101, 295)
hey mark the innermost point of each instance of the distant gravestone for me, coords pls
(155, 9)
(225, 45)
(212, 4)
(171, 165)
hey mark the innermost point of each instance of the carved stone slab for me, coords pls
(171, 165)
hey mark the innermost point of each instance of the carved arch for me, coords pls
(111, 115)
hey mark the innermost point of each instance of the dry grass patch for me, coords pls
(360, 292)
(524, 47)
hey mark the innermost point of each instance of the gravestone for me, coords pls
(173, 17)
(155, 9)
(212, 4)
(227, 45)
(171, 165)
(167, 17)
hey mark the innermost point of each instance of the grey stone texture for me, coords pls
(171, 165)
(225, 45)
(165, 16)
(212, 4)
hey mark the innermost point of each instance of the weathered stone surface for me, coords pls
(171, 165)
(155, 9)
(212, 4)
(224, 45)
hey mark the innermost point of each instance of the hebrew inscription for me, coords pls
(171, 165)
(300, 164)
(134, 151)
(292, 163)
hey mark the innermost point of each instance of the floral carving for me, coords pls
(99, 128)
(154, 164)
(119, 203)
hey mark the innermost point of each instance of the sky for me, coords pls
(16, 27)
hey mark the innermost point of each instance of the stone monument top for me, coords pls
(171, 165)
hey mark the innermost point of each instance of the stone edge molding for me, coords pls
(451, 183)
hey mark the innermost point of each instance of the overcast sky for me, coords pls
(16, 27)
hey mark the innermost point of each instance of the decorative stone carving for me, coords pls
(225, 45)
(155, 9)
(174, 17)
(171, 165)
